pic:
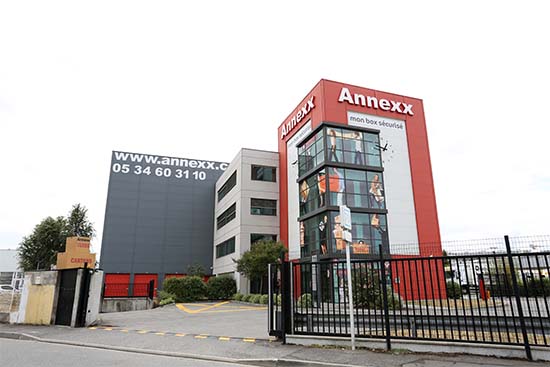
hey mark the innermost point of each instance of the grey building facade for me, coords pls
(158, 217)
(246, 210)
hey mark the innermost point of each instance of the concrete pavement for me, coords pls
(220, 336)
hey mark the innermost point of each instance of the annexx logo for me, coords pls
(372, 102)
(299, 116)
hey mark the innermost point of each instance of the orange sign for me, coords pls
(77, 252)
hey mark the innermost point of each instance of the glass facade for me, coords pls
(311, 154)
(352, 147)
(342, 167)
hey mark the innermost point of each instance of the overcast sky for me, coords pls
(201, 79)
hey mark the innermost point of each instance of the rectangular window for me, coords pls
(263, 207)
(257, 237)
(227, 186)
(264, 173)
(226, 217)
(225, 248)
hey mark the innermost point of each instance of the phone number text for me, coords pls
(158, 171)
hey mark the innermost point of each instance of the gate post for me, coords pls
(385, 298)
(286, 301)
(518, 299)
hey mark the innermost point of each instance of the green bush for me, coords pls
(166, 301)
(305, 301)
(246, 298)
(171, 286)
(454, 290)
(367, 291)
(165, 295)
(535, 288)
(255, 298)
(222, 287)
(237, 296)
(186, 289)
(264, 299)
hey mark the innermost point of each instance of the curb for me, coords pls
(275, 361)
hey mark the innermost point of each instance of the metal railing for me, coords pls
(492, 298)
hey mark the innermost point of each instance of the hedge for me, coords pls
(222, 287)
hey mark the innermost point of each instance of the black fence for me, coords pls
(491, 297)
(129, 290)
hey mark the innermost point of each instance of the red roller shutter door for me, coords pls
(117, 285)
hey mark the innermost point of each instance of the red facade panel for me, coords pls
(141, 281)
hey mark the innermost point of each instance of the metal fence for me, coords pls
(128, 290)
(493, 297)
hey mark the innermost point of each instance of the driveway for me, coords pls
(220, 319)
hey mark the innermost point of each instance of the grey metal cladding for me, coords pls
(159, 216)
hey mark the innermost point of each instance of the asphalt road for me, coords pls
(17, 353)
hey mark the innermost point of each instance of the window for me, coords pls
(263, 207)
(356, 189)
(311, 153)
(313, 235)
(225, 248)
(227, 186)
(264, 173)
(257, 237)
(312, 193)
(353, 147)
(226, 217)
(369, 232)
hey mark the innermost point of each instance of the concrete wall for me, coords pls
(245, 223)
(125, 304)
(94, 298)
(38, 299)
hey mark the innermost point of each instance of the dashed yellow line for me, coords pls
(200, 336)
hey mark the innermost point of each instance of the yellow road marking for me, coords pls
(142, 332)
(160, 333)
(249, 340)
(108, 328)
(224, 338)
(184, 308)
(180, 334)
(201, 336)
(123, 331)
(92, 328)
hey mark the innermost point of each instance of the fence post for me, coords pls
(385, 298)
(518, 299)
(151, 293)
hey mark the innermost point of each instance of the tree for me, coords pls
(78, 223)
(38, 251)
(253, 263)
